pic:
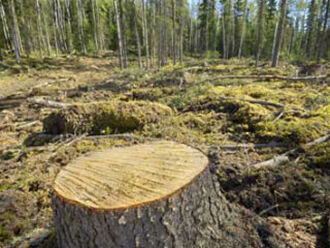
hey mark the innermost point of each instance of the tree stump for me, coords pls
(156, 194)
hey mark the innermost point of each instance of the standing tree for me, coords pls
(279, 36)
(173, 32)
(260, 30)
(137, 36)
(15, 32)
(145, 32)
(243, 29)
(119, 34)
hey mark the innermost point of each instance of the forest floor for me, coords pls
(238, 122)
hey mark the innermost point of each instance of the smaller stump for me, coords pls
(157, 194)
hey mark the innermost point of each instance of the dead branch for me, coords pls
(286, 78)
(262, 102)
(251, 146)
(127, 137)
(48, 103)
(268, 209)
(283, 158)
(27, 125)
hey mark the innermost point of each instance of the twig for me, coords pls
(68, 143)
(268, 209)
(283, 158)
(30, 124)
(279, 116)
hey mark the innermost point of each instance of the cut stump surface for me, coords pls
(125, 177)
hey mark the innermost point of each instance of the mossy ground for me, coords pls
(180, 103)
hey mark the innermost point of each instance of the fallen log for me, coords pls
(286, 78)
(261, 102)
(48, 103)
(156, 194)
(284, 158)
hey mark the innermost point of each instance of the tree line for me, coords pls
(158, 32)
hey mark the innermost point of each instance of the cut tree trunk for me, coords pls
(156, 194)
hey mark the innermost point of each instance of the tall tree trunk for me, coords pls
(67, 4)
(260, 30)
(145, 32)
(14, 32)
(274, 39)
(310, 29)
(153, 31)
(323, 43)
(224, 38)
(100, 32)
(61, 25)
(119, 34)
(80, 20)
(41, 39)
(173, 32)
(191, 32)
(5, 26)
(243, 29)
(232, 21)
(164, 57)
(123, 31)
(45, 26)
(95, 28)
(280, 32)
(292, 37)
(159, 25)
(137, 37)
(206, 33)
(181, 31)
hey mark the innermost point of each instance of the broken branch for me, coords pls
(286, 78)
(48, 103)
(283, 158)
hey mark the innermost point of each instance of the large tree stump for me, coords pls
(157, 194)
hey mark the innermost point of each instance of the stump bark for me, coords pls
(156, 194)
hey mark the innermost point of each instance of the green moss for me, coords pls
(319, 155)
(96, 118)
(150, 94)
(250, 114)
(297, 130)
(4, 234)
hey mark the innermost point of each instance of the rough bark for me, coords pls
(173, 33)
(145, 32)
(5, 26)
(181, 31)
(322, 45)
(243, 29)
(198, 215)
(137, 36)
(260, 30)
(119, 34)
(15, 33)
(95, 27)
(80, 26)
